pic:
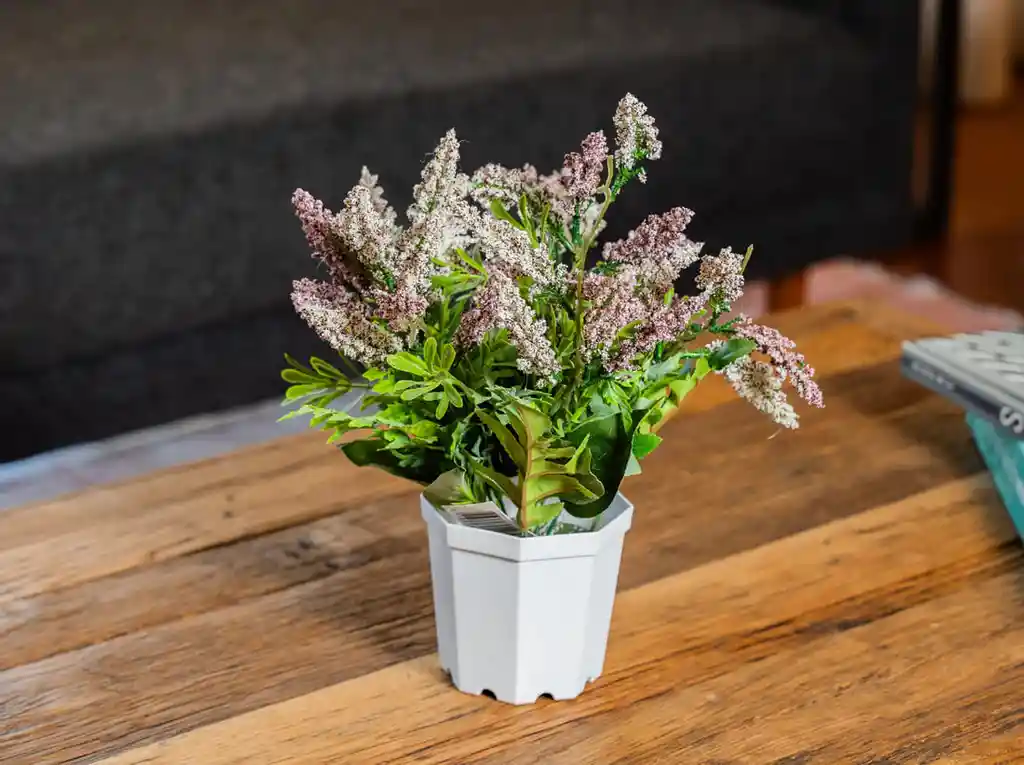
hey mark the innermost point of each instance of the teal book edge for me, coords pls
(1005, 460)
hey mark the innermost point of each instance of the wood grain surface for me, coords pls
(850, 592)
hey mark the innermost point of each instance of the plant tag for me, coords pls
(486, 516)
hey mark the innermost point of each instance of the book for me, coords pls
(994, 360)
(965, 394)
(1005, 460)
(982, 373)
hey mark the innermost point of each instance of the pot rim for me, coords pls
(613, 524)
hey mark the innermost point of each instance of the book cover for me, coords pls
(993, 361)
(1005, 460)
(963, 392)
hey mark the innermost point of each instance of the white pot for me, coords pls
(520, 617)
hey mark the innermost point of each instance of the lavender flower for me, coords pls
(343, 321)
(658, 249)
(403, 259)
(780, 349)
(506, 185)
(441, 182)
(509, 249)
(582, 171)
(380, 204)
(720, 275)
(402, 306)
(761, 384)
(499, 305)
(319, 225)
(613, 306)
(635, 133)
(498, 182)
(591, 221)
(366, 231)
(663, 324)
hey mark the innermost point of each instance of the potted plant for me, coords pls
(519, 386)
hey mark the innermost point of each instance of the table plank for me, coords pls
(97, 704)
(790, 598)
(212, 515)
(1006, 749)
(916, 684)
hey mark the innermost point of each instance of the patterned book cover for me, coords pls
(1005, 460)
(983, 373)
(993, 361)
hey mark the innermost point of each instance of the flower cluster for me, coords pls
(343, 321)
(761, 384)
(378, 265)
(582, 170)
(635, 133)
(479, 313)
(657, 249)
(781, 351)
(500, 306)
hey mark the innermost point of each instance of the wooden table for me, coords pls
(852, 592)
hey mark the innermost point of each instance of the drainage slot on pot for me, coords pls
(547, 696)
(489, 694)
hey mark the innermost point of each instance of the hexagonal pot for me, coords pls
(522, 617)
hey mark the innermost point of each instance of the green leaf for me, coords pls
(413, 393)
(423, 430)
(295, 376)
(544, 514)
(385, 386)
(325, 369)
(663, 369)
(449, 488)
(447, 358)
(406, 362)
(577, 452)
(442, 407)
(373, 373)
(373, 451)
(301, 391)
(678, 389)
(500, 483)
(395, 414)
(610, 447)
(644, 444)
(498, 211)
(508, 441)
(731, 350)
(430, 353)
(452, 393)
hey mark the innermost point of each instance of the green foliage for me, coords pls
(469, 425)
(730, 351)
(548, 470)
(318, 384)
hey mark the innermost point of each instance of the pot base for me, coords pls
(517, 699)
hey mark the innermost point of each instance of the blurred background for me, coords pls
(148, 151)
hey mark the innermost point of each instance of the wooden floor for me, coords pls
(983, 258)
